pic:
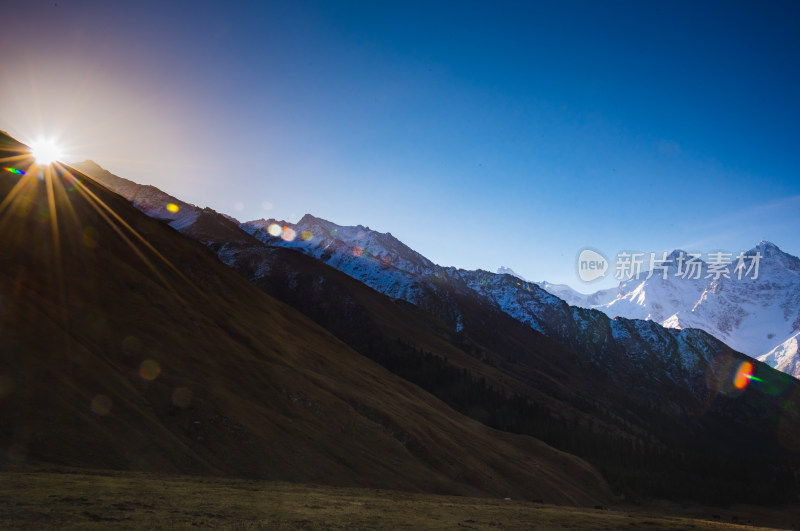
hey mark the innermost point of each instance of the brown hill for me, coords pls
(127, 345)
(651, 434)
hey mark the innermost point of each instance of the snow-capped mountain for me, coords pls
(758, 316)
(656, 298)
(677, 398)
(149, 199)
(668, 353)
(731, 310)
(379, 260)
(503, 270)
(565, 292)
(576, 298)
(202, 224)
(784, 357)
(389, 266)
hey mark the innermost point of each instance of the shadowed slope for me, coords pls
(127, 345)
(656, 410)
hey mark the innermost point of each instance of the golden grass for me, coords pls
(76, 499)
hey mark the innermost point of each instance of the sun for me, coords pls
(46, 151)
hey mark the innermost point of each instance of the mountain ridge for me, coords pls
(670, 390)
(128, 345)
(758, 316)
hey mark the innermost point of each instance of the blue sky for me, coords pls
(480, 134)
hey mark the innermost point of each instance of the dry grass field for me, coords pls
(79, 499)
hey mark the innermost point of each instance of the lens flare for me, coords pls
(357, 251)
(306, 235)
(743, 375)
(274, 230)
(45, 151)
(288, 234)
(15, 171)
(172, 207)
(149, 370)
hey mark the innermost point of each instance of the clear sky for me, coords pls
(481, 134)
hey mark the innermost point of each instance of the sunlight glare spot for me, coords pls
(45, 151)
(274, 230)
(743, 375)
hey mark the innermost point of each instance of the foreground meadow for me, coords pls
(56, 498)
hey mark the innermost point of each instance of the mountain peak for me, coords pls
(89, 165)
(765, 245)
(308, 218)
(776, 257)
(503, 270)
(767, 249)
(674, 255)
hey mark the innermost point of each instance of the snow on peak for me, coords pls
(306, 219)
(766, 249)
(785, 357)
(377, 259)
(774, 258)
(502, 270)
(758, 316)
(145, 197)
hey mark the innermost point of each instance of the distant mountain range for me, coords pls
(660, 411)
(758, 316)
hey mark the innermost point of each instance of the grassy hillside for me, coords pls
(620, 409)
(129, 346)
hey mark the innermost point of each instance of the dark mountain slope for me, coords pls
(128, 345)
(647, 434)
(655, 409)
